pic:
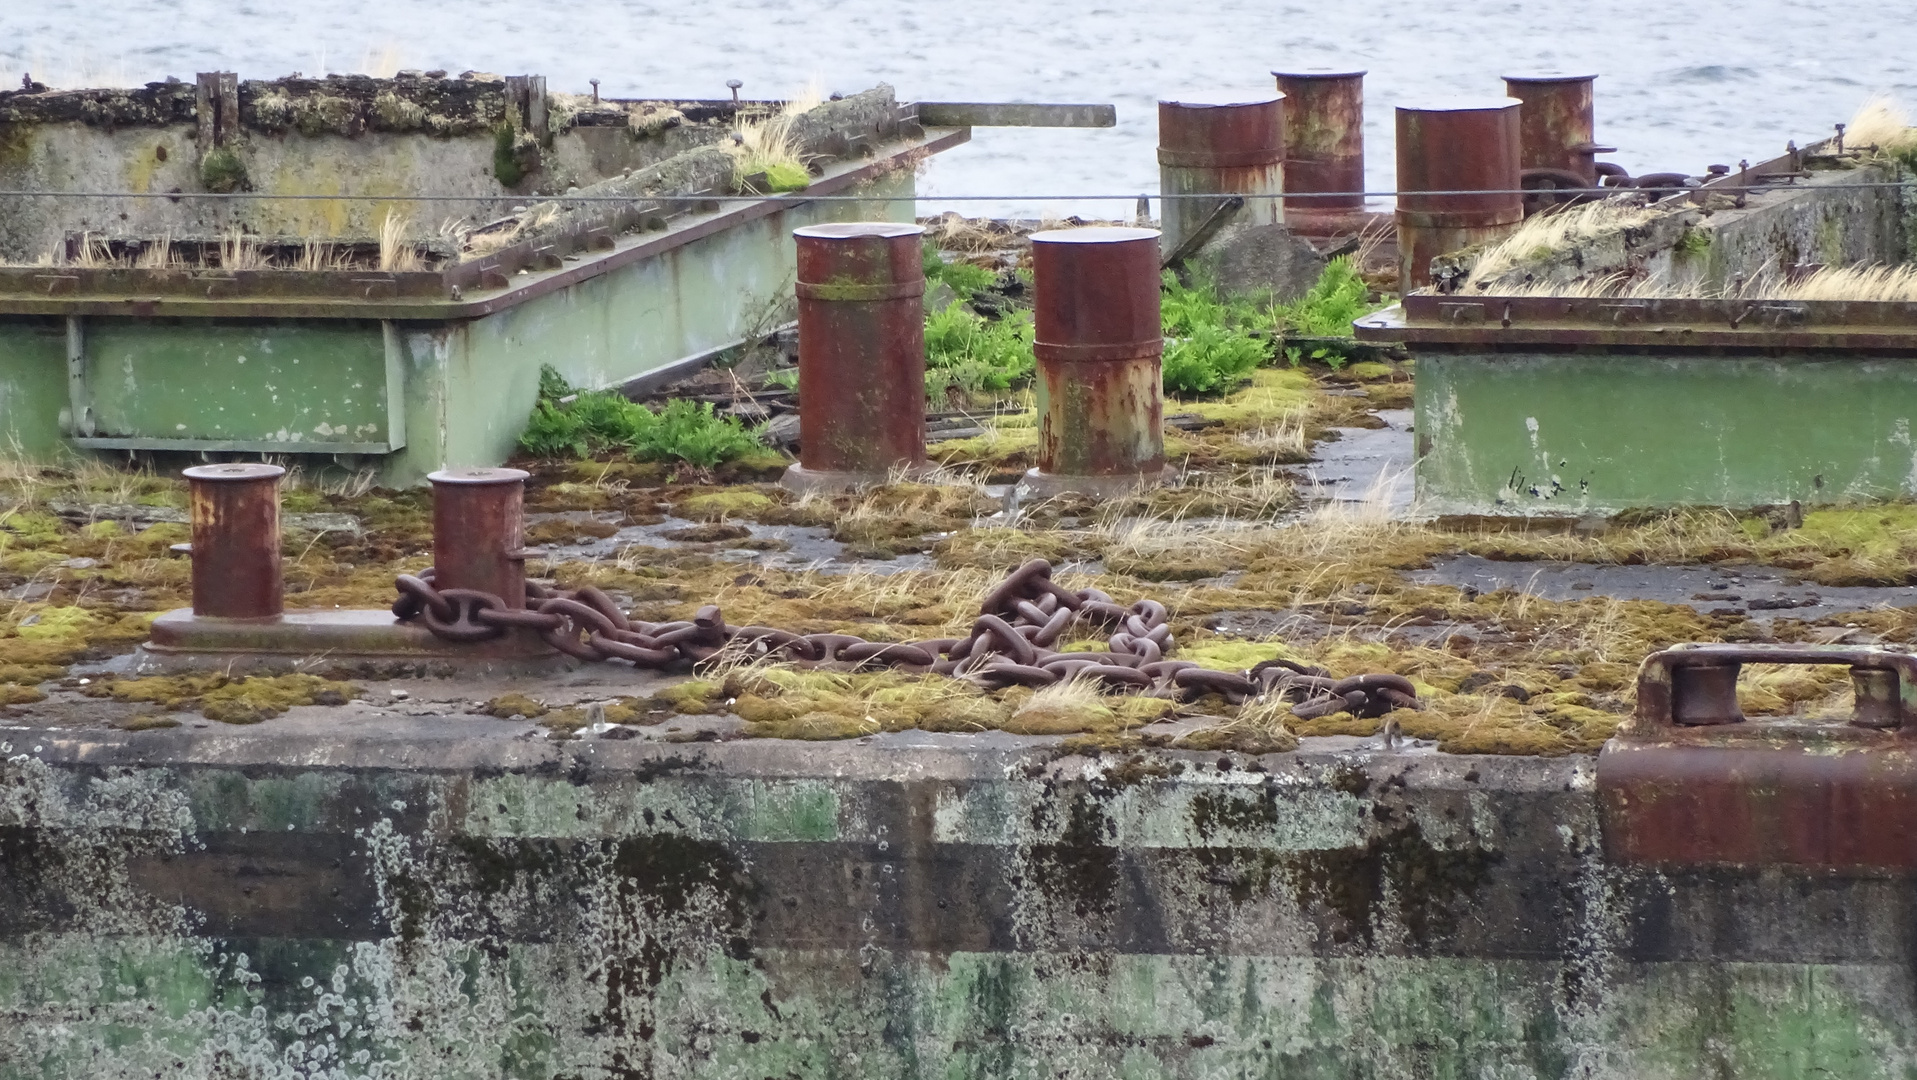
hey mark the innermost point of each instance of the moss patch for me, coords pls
(244, 700)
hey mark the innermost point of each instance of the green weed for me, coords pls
(968, 352)
(964, 278)
(1210, 359)
(600, 422)
(1329, 307)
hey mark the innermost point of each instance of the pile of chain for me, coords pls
(1011, 643)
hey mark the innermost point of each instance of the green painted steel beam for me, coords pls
(1580, 431)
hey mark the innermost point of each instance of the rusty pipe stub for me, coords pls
(1557, 123)
(1098, 339)
(860, 289)
(236, 541)
(1226, 146)
(1468, 148)
(1324, 141)
(479, 532)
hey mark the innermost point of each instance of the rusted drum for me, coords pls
(1556, 123)
(479, 532)
(1324, 143)
(236, 541)
(1227, 146)
(1468, 147)
(1098, 341)
(861, 354)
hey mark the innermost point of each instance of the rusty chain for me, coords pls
(1010, 643)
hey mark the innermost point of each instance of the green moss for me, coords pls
(718, 505)
(13, 694)
(785, 176)
(246, 700)
(222, 171)
(506, 706)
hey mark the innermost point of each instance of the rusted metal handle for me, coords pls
(1696, 685)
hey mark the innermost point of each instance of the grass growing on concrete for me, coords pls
(769, 146)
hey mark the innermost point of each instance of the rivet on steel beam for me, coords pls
(236, 541)
(1557, 125)
(861, 288)
(1099, 340)
(1225, 146)
(1324, 145)
(1469, 146)
(479, 532)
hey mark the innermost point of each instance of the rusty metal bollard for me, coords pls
(236, 541)
(1324, 145)
(1557, 124)
(1467, 147)
(479, 532)
(861, 354)
(1098, 341)
(1229, 147)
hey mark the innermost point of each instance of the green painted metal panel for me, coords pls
(1506, 433)
(33, 385)
(292, 385)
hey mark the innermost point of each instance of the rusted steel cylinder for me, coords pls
(1098, 341)
(1469, 148)
(1324, 141)
(1226, 147)
(861, 354)
(1556, 123)
(236, 541)
(479, 532)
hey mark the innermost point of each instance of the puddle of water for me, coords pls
(1368, 465)
(1759, 592)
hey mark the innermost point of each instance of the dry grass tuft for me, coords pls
(1881, 123)
(1543, 233)
(397, 255)
(768, 144)
(239, 251)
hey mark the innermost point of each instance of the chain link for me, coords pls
(1010, 643)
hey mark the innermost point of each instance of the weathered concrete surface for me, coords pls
(439, 897)
(346, 135)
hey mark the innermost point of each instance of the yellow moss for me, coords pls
(1243, 739)
(12, 694)
(28, 674)
(815, 726)
(717, 505)
(58, 624)
(246, 700)
(1228, 654)
(512, 704)
(29, 652)
(694, 698)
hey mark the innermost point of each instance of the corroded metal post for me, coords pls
(1098, 341)
(479, 532)
(1324, 145)
(861, 354)
(1557, 123)
(1230, 147)
(1467, 149)
(236, 541)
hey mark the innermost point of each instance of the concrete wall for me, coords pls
(145, 141)
(440, 898)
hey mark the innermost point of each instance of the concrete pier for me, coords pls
(434, 896)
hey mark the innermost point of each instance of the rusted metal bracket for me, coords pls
(1689, 781)
(1206, 229)
(217, 107)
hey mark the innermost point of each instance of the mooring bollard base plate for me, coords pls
(182, 641)
(1038, 485)
(803, 481)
